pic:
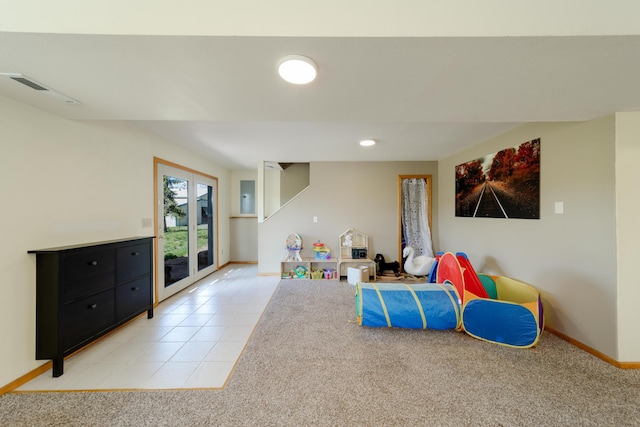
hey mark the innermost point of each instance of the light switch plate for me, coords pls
(559, 207)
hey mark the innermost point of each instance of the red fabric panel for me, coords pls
(449, 269)
(472, 282)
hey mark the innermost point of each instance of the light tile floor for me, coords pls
(193, 340)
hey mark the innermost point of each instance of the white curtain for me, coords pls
(415, 216)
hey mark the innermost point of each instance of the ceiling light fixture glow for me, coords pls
(367, 142)
(297, 69)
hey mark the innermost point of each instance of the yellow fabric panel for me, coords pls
(516, 291)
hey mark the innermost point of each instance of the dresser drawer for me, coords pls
(133, 261)
(87, 317)
(133, 297)
(87, 273)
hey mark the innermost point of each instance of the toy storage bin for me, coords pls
(357, 274)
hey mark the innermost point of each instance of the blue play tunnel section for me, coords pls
(500, 322)
(419, 306)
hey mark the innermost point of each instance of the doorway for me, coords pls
(414, 214)
(186, 227)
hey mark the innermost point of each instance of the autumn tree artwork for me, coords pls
(505, 184)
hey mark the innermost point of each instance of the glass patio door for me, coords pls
(186, 228)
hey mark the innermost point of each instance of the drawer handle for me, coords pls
(134, 253)
(93, 306)
(93, 262)
(135, 288)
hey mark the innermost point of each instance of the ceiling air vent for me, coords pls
(20, 78)
(28, 82)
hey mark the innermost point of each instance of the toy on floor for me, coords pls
(416, 266)
(514, 318)
(382, 265)
(458, 270)
(398, 305)
(496, 309)
(294, 246)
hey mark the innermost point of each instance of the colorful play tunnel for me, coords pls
(513, 318)
(496, 309)
(397, 305)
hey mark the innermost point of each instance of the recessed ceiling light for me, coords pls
(367, 142)
(297, 69)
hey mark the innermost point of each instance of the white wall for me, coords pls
(68, 182)
(570, 258)
(628, 233)
(362, 195)
(244, 240)
(293, 180)
(271, 194)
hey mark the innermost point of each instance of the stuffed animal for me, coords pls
(416, 266)
(382, 265)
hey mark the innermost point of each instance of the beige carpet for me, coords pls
(309, 363)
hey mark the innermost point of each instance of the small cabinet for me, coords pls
(293, 270)
(85, 291)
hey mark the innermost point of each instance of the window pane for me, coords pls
(176, 226)
(204, 194)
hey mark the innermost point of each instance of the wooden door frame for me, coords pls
(428, 182)
(156, 197)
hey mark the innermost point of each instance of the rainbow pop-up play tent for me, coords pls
(491, 308)
(495, 309)
(513, 318)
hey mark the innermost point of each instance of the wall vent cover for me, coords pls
(22, 79)
(25, 81)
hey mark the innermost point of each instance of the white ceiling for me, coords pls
(421, 98)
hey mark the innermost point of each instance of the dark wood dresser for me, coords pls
(85, 291)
